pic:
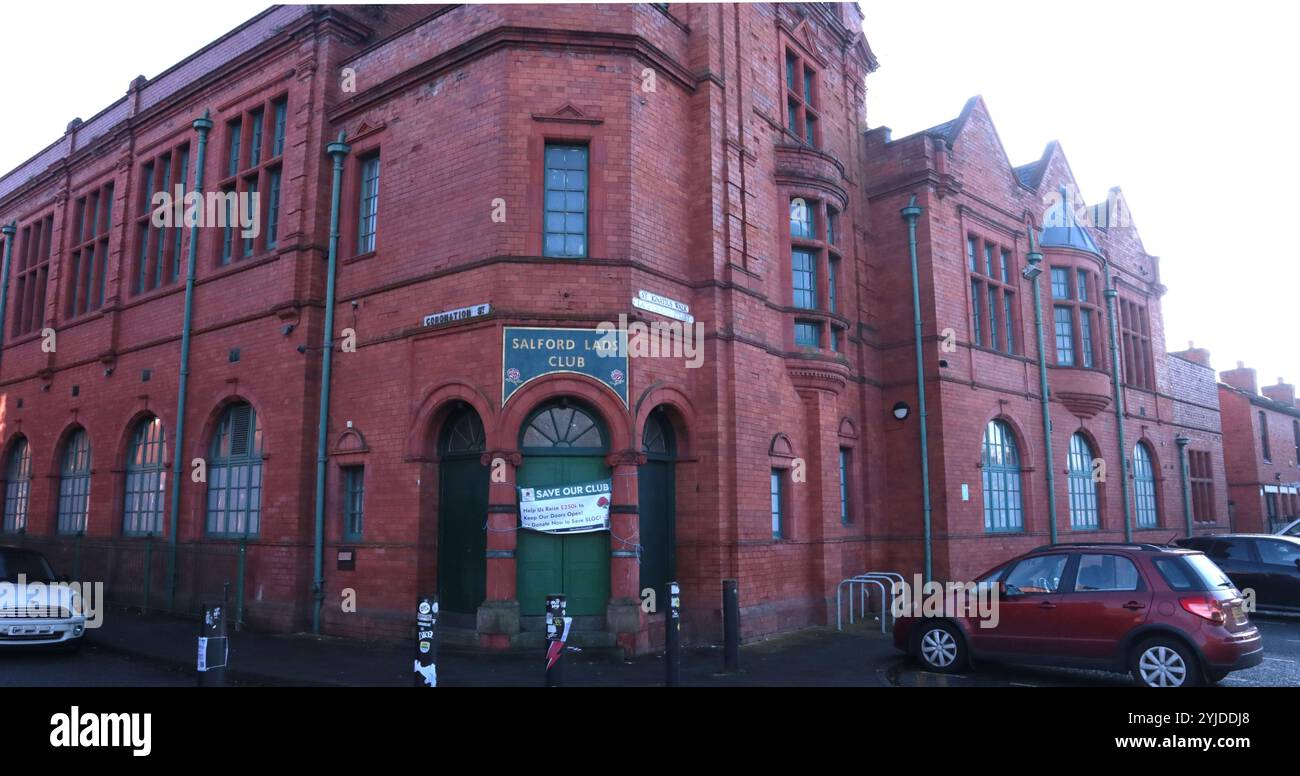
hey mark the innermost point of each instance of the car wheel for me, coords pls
(1164, 662)
(940, 648)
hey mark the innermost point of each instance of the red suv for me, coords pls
(1166, 614)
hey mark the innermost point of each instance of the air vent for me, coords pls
(145, 375)
(234, 355)
(240, 420)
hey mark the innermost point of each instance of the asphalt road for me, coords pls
(1281, 667)
(41, 667)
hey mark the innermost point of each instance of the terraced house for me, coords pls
(513, 181)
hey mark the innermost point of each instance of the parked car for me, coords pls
(1269, 564)
(1169, 616)
(33, 611)
(1290, 529)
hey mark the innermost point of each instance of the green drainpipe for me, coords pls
(1033, 271)
(1111, 293)
(202, 125)
(8, 230)
(1182, 441)
(338, 151)
(911, 213)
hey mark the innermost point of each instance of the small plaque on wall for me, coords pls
(347, 559)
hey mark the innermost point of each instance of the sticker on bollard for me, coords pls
(673, 636)
(557, 633)
(213, 647)
(426, 643)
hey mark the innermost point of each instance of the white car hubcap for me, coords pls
(938, 648)
(1162, 667)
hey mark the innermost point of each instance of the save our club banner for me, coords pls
(578, 507)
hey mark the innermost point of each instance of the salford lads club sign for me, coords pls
(529, 353)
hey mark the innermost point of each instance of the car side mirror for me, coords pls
(1002, 590)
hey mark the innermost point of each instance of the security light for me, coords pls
(901, 410)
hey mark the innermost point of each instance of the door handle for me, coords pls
(1047, 605)
(1134, 606)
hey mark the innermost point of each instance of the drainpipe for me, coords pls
(1182, 441)
(911, 213)
(202, 125)
(1111, 293)
(338, 151)
(8, 230)
(1033, 271)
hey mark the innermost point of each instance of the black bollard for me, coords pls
(673, 637)
(731, 625)
(214, 647)
(426, 643)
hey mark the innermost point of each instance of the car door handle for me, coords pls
(1134, 605)
(1047, 605)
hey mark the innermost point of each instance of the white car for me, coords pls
(1290, 529)
(35, 607)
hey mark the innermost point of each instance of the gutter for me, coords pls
(1110, 295)
(1033, 271)
(911, 213)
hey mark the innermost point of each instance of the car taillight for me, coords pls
(1204, 606)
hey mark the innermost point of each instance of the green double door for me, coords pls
(576, 565)
(462, 540)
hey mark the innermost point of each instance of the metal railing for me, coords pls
(884, 581)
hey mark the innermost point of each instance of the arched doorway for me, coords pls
(657, 496)
(563, 443)
(462, 513)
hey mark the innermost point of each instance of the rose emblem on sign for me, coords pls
(512, 376)
(616, 377)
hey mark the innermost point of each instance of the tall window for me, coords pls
(158, 249)
(802, 99)
(565, 228)
(18, 486)
(146, 481)
(1084, 511)
(368, 214)
(254, 171)
(33, 271)
(354, 497)
(1295, 434)
(1263, 437)
(778, 503)
(814, 254)
(235, 474)
(1075, 317)
(74, 483)
(88, 261)
(992, 295)
(1000, 467)
(846, 514)
(1144, 487)
(1201, 476)
(1135, 339)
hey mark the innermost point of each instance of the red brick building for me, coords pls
(1261, 434)
(526, 168)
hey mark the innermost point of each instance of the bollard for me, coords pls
(214, 647)
(731, 625)
(239, 583)
(557, 632)
(76, 558)
(426, 643)
(673, 637)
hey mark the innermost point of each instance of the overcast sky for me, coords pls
(1191, 107)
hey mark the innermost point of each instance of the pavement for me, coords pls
(856, 657)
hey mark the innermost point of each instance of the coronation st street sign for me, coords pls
(529, 353)
(577, 507)
(459, 314)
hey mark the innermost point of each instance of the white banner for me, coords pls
(578, 507)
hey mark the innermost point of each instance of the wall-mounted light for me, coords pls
(901, 410)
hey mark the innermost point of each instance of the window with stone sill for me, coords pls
(994, 313)
(87, 264)
(1135, 344)
(31, 258)
(1076, 316)
(158, 249)
(1201, 476)
(802, 99)
(814, 255)
(253, 166)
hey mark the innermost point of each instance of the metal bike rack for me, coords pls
(861, 581)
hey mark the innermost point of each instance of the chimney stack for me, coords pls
(1283, 392)
(1241, 378)
(1194, 354)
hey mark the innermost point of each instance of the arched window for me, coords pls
(1144, 487)
(74, 483)
(145, 480)
(463, 434)
(18, 486)
(563, 428)
(235, 474)
(657, 438)
(1000, 464)
(1084, 513)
